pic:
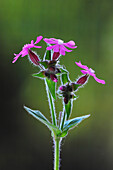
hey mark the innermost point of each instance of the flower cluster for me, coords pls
(49, 67)
(58, 48)
(67, 91)
(52, 70)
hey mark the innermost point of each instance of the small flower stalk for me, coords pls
(50, 70)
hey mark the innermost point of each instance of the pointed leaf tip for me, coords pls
(74, 122)
(39, 116)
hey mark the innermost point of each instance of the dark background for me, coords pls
(25, 143)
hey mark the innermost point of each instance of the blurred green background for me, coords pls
(25, 143)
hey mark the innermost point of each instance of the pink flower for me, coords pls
(26, 48)
(89, 71)
(59, 45)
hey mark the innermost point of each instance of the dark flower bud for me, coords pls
(71, 96)
(62, 88)
(52, 63)
(69, 88)
(52, 69)
(33, 57)
(83, 79)
(47, 74)
(53, 77)
(55, 55)
(66, 99)
(57, 70)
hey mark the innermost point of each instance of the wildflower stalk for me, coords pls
(63, 119)
(57, 153)
(48, 70)
(51, 105)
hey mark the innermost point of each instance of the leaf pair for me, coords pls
(69, 124)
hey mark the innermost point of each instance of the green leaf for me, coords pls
(68, 108)
(52, 87)
(39, 75)
(44, 63)
(48, 55)
(65, 78)
(73, 122)
(63, 134)
(39, 116)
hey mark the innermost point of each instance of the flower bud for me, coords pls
(53, 77)
(83, 79)
(66, 100)
(57, 70)
(52, 69)
(55, 55)
(47, 74)
(62, 88)
(33, 57)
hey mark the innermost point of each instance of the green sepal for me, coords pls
(75, 86)
(52, 87)
(68, 108)
(48, 55)
(59, 93)
(44, 63)
(39, 116)
(65, 78)
(39, 75)
(75, 97)
(63, 70)
(73, 122)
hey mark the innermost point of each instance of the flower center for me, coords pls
(60, 42)
(91, 70)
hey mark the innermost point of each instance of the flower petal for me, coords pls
(82, 66)
(84, 72)
(62, 51)
(99, 80)
(16, 57)
(65, 49)
(32, 42)
(50, 47)
(49, 41)
(70, 44)
(38, 39)
(56, 48)
(37, 46)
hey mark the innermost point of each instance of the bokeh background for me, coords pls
(25, 143)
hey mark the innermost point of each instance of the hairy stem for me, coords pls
(57, 153)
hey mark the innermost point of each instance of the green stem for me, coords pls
(63, 119)
(51, 105)
(52, 108)
(57, 153)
